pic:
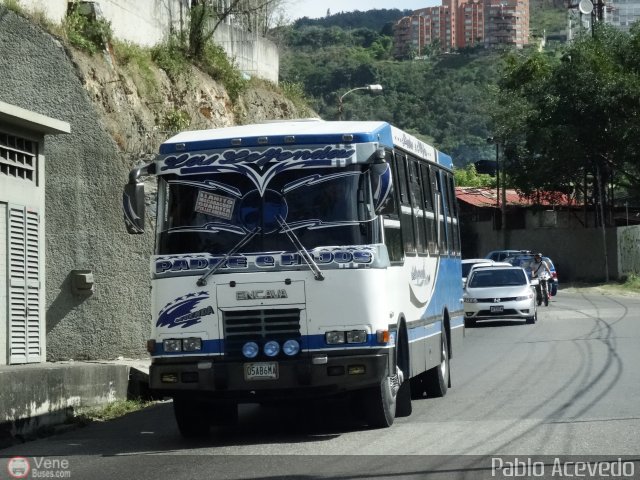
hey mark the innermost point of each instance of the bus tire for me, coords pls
(192, 417)
(403, 397)
(380, 404)
(224, 414)
(437, 378)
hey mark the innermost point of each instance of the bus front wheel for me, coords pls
(192, 417)
(380, 404)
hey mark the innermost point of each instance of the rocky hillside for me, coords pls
(141, 105)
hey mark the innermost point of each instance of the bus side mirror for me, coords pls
(133, 207)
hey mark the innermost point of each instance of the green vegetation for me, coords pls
(469, 177)
(443, 99)
(137, 60)
(570, 122)
(176, 121)
(566, 118)
(110, 411)
(14, 6)
(86, 32)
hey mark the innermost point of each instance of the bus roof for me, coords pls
(300, 132)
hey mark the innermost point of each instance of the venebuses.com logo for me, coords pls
(38, 467)
(18, 467)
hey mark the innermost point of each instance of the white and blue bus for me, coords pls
(298, 259)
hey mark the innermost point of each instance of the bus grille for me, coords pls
(259, 326)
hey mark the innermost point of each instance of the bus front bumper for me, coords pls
(291, 379)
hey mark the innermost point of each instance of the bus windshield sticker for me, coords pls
(214, 205)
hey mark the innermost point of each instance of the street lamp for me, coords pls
(372, 88)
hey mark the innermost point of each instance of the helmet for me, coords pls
(537, 255)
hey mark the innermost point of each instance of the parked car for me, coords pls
(500, 255)
(468, 263)
(525, 260)
(495, 292)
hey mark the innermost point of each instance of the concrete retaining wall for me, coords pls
(629, 250)
(577, 253)
(37, 396)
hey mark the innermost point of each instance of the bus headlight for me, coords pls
(291, 347)
(172, 345)
(250, 349)
(192, 344)
(333, 338)
(357, 336)
(271, 348)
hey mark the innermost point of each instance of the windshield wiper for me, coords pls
(317, 274)
(202, 281)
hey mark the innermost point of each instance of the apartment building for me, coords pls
(459, 24)
(506, 23)
(470, 24)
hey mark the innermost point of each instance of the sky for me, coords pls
(318, 8)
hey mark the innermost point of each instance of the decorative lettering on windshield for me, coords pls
(257, 158)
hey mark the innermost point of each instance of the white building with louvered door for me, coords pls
(22, 183)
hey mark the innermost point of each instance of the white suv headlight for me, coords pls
(470, 300)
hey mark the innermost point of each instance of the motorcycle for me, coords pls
(542, 288)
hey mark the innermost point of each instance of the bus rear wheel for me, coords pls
(437, 378)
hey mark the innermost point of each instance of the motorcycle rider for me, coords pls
(538, 267)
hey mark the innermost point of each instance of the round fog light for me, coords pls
(271, 348)
(291, 347)
(250, 349)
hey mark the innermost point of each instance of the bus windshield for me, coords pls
(212, 213)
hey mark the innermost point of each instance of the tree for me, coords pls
(206, 17)
(572, 122)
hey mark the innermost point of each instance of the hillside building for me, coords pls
(459, 24)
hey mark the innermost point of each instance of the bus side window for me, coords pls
(437, 210)
(427, 192)
(447, 213)
(417, 206)
(406, 217)
(441, 218)
(453, 208)
(391, 219)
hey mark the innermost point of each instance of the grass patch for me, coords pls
(110, 411)
(217, 65)
(14, 6)
(170, 56)
(295, 93)
(139, 62)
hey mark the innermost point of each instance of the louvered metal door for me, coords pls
(24, 285)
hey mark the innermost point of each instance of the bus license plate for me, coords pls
(497, 308)
(261, 371)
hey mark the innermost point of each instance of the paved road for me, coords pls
(568, 385)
